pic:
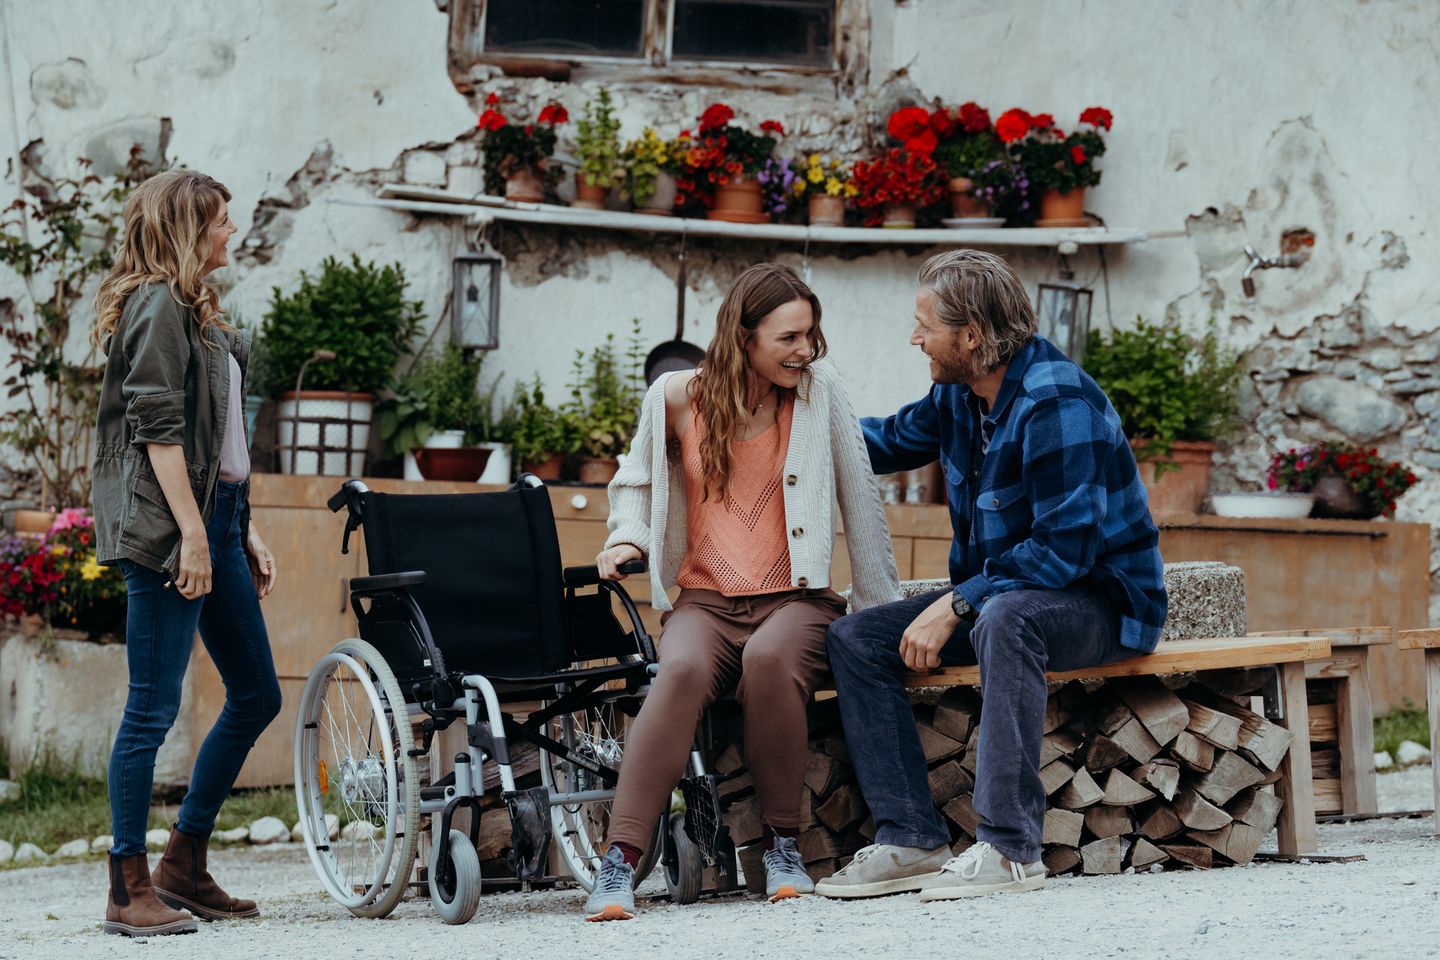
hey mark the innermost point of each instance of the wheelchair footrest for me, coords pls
(529, 831)
(703, 820)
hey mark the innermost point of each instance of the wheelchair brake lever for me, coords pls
(351, 525)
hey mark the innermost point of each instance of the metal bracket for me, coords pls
(1274, 702)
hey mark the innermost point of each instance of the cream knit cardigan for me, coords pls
(826, 461)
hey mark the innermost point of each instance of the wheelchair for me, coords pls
(466, 612)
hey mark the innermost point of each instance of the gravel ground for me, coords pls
(1386, 906)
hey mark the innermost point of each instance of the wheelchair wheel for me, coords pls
(352, 761)
(684, 867)
(579, 829)
(455, 891)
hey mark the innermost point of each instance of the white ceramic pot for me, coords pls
(497, 468)
(324, 432)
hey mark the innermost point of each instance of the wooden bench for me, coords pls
(1345, 726)
(1429, 641)
(1289, 655)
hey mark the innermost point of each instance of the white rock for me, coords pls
(75, 848)
(1383, 760)
(236, 835)
(156, 839)
(269, 830)
(9, 790)
(7, 851)
(358, 830)
(297, 833)
(29, 853)
(103, 842)
(1411, 752)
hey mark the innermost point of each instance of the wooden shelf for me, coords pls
(482, 209)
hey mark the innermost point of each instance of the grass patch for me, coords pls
(1405, 723)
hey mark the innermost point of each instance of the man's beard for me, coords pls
(958, 367)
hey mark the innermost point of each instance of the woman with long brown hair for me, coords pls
(729, 491)
(170, 496)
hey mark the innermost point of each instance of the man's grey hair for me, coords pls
(974, 288)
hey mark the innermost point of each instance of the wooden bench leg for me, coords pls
(1295, 829)
(1356, 722)
(1432, 696)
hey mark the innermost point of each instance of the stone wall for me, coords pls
(1234, 123)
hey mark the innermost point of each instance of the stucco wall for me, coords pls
(1234, 122)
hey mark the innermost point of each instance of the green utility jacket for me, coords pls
(164, 383)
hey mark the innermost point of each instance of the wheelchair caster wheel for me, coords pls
(684, 868)
(455, 888)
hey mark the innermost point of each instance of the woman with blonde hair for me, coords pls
(728, 491)
(170, 487)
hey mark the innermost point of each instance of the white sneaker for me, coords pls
(882, 869)
(982, 870)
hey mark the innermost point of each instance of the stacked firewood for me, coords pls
(1137, 775)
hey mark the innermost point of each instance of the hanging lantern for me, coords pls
(475, 301)
(1063, 309)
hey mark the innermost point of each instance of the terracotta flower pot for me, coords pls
(1055, 205)
(827, 211)
(899, 216)
(526, 185)
(1179, 490)
(547, 469)
(463, 464)
(739, 201)
(963, 203)
(588, 195)
(661, 203)
(1336, 499)
(598, 470)
(33, 524)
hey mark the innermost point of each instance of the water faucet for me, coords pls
(1257, 262)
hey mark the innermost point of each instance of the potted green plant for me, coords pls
(597, 142)
(722, 164)
(494, 429)
(434, 405)
(1176, 394)
(517, 155)
(606, 388)
(1349, 482)
(1057, 164)
(343, 329)
(650, 163)
(543, 436)
(825, 186)
(968, 154)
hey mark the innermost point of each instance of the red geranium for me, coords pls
(908, 122)
(715, 116)
(1042, 121)
(973, 117)
(1012, 125)
(772, 126)
(491, 119)
(1077, 153)
(897, 176)
(1098, 116)
(942, 123)
(553, 113)
(492, 99)
(508, 147)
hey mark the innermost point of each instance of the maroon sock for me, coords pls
(631, 854)
(772, 832)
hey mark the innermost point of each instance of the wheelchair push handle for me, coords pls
(589, 575)
(348, 496)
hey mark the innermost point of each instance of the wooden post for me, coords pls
(1296, 828)
(1432, 686)
(1356, 722)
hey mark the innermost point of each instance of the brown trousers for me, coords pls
(774, 646)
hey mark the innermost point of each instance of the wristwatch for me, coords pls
(961, 606)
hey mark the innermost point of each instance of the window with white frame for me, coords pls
(794, 34)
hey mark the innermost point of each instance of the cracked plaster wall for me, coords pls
(1235, 122)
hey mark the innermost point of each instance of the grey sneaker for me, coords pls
(785, 874)
(882, 868)
(614, 895)
(983, 870)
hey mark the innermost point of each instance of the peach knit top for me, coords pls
(738, 546)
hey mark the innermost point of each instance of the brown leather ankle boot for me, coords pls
(133, 909)
(182, 881)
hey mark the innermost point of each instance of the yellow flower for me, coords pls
(815, 175)
(851, 189)
(90, 570)
(798, 187)
(833, 187)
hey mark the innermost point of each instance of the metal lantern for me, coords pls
(1063, 308)
(475, 301)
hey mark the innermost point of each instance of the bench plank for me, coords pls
(1172, 656)
(1420, 639)
(1338, 636)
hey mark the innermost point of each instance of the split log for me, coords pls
(1135, 740)
(1061, 743)
(1161, 712)
(1261, 742)
(1197, 813)
(818, 871)
(524, 760)
(1104, 856)
(1063, 827)
(1060, 860)
(972, 751)
(1236, 842)
(948, 781)
(1103, 821)
(1102, 753)
(1323, 725)
(1144, 853)
(822, 774)
(495, 833)
(743, 818)
(1055, 775)
(1121, 791)
(735, 786)
(1161, 823)
(1228, 777)
(1194, 752)
(1258, 808)
(956, 713)
(1191, 854)
(752, 864)
(961, 811)
(817, 844)
(1080, 792)
(961, 844)
(1162, 776)
(834, 746)
(937, 746)
(867, 829)
(844, 809)
(1056, 715)
(1215, 728)
(730, 760)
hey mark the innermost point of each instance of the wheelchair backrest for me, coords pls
(493, 594)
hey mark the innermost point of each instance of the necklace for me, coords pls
(754, 411)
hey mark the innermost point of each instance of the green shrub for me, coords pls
(436, 393)
(598, 141)
(606, 389)
(358, 310)
(541, 431)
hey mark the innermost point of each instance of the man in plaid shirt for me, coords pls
(1055, 565)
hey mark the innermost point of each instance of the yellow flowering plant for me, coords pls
(646, 157)
(88, 596)
(815, 175)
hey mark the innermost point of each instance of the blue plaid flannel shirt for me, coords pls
(1044, 491)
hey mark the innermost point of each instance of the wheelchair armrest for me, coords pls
(588, 575)
(386, 582)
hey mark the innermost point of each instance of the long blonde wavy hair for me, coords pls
(721, 388)
(164, 241)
